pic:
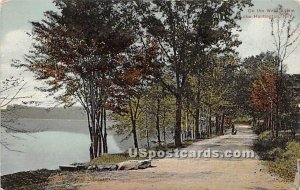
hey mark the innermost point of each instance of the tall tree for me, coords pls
(79, 53)
(179, 27)
(217, 88)
(249, 70)
(285, 35)
(263, 96)
(142, 69)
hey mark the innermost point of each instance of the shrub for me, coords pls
(258, 129)
(285, 164)
(244, 120)
(281, 153)
(268, 147)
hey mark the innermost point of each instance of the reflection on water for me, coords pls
(47, 149)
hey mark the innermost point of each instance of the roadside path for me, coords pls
(198, 173)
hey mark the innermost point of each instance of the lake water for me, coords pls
(63, 142)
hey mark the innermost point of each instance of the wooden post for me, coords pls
(297, 176)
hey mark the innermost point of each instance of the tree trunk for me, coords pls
(177, 135)
(96, 137)
(222, 124)
(133, 117)
(270, 125)
(217, 125)
(94, 117)
(272, 120)
(100, 129)
(277, 124)
(134, 133)
(278, 100)
(197, 118)
(95, 149)
(209, 122)
(91, 135)
(187, 128)
(197, 124)
(105, 146)
(99, 143)
(147, 130)
(254, 121)
(157, 123)
(164, 127)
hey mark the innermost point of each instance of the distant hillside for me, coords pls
(44, 113)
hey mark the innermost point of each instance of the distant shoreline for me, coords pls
(52, 119)
(18, 111)
(35, 125)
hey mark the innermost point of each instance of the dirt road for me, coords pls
(198, 173)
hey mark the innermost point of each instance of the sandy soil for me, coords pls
(196, 173)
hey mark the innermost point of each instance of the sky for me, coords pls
(14, 42)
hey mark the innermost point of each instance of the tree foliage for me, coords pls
(186, 31)
(147, 62)
(263, 93)
(88, 53)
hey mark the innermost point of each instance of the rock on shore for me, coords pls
(134, 164)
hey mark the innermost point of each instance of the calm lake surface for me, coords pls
(59, 142)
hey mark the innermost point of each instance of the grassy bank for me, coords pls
(112, 159)
(281, 153)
